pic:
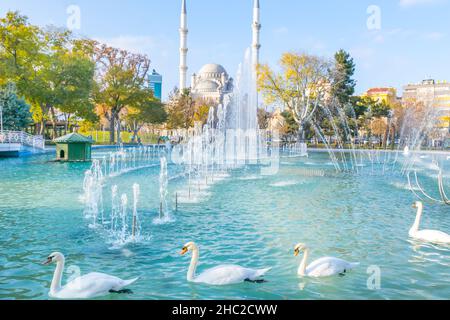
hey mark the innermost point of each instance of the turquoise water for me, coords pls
(247, 219)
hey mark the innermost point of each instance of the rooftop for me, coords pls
(73, 138)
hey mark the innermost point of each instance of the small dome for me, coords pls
(212, 70)
(207, 86)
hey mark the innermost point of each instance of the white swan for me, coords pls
(323, 267)
(433, 236)
(88, 286)
(221, 275)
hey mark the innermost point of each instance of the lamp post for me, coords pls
(1, 117)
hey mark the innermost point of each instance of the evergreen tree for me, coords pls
(344, 85)
(16, 112)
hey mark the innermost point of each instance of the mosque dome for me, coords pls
(207, 86)
(211, 82)
(212, 70)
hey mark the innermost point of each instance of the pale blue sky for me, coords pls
(413, 42)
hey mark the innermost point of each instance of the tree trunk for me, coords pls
(301, 133)
(53, 120)
(67, 124)
(386, 135)
(112, 128)
(119, 141)
(42, 128)
(394, 133)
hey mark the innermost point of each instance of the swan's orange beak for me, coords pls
(414, 206)
(47, 262)
(296, 252)
(183, 251)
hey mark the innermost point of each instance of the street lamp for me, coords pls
(1, 116)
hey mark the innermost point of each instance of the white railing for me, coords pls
(23, 138)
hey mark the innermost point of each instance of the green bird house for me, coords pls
(73, 147)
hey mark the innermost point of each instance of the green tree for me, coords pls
(344, 85)
(291, 126)
(148, 112)
(51, 71)
(16, 112)
(20, 50)
(380, 109)
(64, 82)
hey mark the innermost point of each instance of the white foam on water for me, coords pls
(281, 184)
(164, 220)
(252, 177)
(404, 186)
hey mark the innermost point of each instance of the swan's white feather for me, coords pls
(433, 236)
(229, 274)
(328, 266)
(91, 285)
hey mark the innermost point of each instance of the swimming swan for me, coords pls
(221, 275)
(84, 287)
(323, 267)
(433, 236)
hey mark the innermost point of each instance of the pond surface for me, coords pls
(247, 219)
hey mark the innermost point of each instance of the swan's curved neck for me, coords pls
(57, 276)
(302, 267)
(415, 227)
(193, 265)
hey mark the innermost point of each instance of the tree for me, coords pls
(344, 85)
(290, 125)
(49, 68)
(201, 112)
(65, 80)
(120, 83)
(148, 112)
(20, 50)
(303, 84)
(180, 109)
(378, 128)
(380, 109)
(263, 118)
(16, 112)
(20, 56)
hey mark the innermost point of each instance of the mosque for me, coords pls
(212, 82)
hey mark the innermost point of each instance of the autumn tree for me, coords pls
(180, 109)
(120, 83)
(263, 118)
(302, 85)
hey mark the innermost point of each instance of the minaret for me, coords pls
(183, 45)
(256, 26)
(256, 29)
